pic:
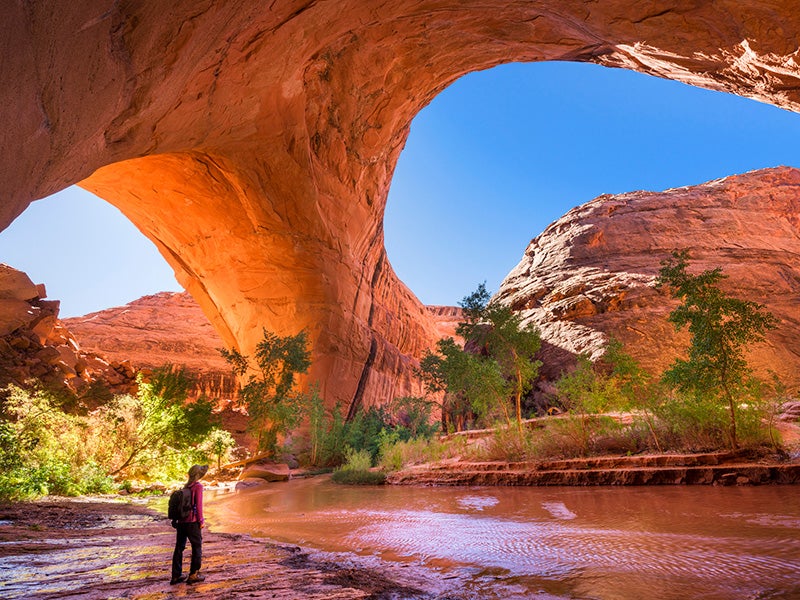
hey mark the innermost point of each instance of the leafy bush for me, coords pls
(273, 405)
(329, 435)
(364, 430)
(356, 469)
(352, 477)
(218, 445)
(45, 450)
(506, 444)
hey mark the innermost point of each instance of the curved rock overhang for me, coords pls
(254, 143)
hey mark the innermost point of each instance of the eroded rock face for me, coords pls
(591, 273)
(36, 345)
(153, 331)
(254, 144)
(170, 328)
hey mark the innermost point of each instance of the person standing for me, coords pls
(189, 529)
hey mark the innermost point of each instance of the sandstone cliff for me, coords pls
(254, 143)
(35, 345)
(591, 273)
(170, 328)
(165, 328)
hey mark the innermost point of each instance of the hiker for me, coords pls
(188, 528)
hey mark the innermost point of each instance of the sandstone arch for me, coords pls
(254, 143)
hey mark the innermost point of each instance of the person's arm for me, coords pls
(199, 503)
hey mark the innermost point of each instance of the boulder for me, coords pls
(34, 344)
(267, 472)
(244, 484)
(14, 313)
(16, 285)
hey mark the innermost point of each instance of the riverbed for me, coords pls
(605, 543)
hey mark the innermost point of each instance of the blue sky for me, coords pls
(489, 164)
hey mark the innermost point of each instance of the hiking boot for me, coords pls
(195, 578)
(175, 580)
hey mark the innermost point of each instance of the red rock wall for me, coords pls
(36, 346)
(590, 274)
(255, 143)
(153, 331)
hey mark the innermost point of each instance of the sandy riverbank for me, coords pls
(98, 548)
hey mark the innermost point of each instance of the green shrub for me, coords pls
(354, 477)
(357, 460)
(396, 454)
(356, 469)
(413, 419)
(693, 424)
(325, 442)
(44, 450)
(363, 431)
(506, 444)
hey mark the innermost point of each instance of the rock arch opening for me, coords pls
(502, 153)
(298, 112)
(88, 255)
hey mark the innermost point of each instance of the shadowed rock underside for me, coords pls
(254, 144)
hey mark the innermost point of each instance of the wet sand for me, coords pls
(99, 548)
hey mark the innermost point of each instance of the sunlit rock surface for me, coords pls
(254, 143)
(170, 328)
(591, 273)
(167, 328)
(36, 346)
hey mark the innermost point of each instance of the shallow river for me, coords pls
(602, 543)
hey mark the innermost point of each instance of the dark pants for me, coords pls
(191, 532)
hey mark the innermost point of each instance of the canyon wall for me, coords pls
(170, 328)
(36, 346)
(591, 273)
(254, 143)
(153, 331)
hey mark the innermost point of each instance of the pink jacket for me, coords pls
(197, 502)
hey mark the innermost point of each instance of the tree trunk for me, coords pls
(519, 402)
(732, 408)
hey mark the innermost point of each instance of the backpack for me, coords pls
(180, 505)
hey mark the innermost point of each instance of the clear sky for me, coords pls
(489, 164)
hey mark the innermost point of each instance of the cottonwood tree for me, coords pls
(469, 383)
(219, 444)
(721, 328)
(159, 418)
(499, 333)
(502, 366)
(272, 403)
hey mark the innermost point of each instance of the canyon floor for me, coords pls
(99, 548)
(105, 547)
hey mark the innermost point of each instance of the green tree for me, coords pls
(640, 389)
(501, 362)
(218, 443)
(468, 382)
(501, 335)
(158, 418)
(721, 328)
(269, 396)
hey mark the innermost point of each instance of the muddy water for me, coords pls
(601, 543)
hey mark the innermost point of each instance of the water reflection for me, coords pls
(606, 543)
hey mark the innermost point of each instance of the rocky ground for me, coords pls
(102, 548)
